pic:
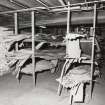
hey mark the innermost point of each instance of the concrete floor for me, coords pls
(45, 92)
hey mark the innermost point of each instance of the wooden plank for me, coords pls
(33, 44)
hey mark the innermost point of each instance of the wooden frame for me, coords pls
(92, 53)
(16, 28)
(32, 10)
(33, 37)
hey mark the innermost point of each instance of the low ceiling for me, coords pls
(43, 17)
(19, 4)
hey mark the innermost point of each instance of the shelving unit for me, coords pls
(69, 61)
(53, 9)
(19, 55)
(22, 56)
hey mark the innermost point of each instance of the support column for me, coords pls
(68, 19)
(16, 27)
(68, 31)
(33, 44)
(68, 22)
(93, 47)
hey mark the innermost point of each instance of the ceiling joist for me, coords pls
(3, 7)
(8, 8)
(62, 2)
(42, 3)
(65, 9)
(18, 4)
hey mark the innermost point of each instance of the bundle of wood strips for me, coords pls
(3, 61)
(4, 46)
(75, 76)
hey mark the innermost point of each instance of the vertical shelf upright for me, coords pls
(68, 30)
(68, 18)
(33, 38)
(16, 27)
(33, 44)
(93, 49)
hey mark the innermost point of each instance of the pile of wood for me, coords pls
(5, 44)
(3, 51)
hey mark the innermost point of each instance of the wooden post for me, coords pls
(68, 19)
(93, 47)
(63, 70)
(16, 28)
(68, 23)
(33, 44)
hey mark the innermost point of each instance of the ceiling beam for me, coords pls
(3, 7)
(42, 3)
(7, 15)
(9, 8)
(66, 9)
(24, 10)
(62, 2)
(19, 4)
